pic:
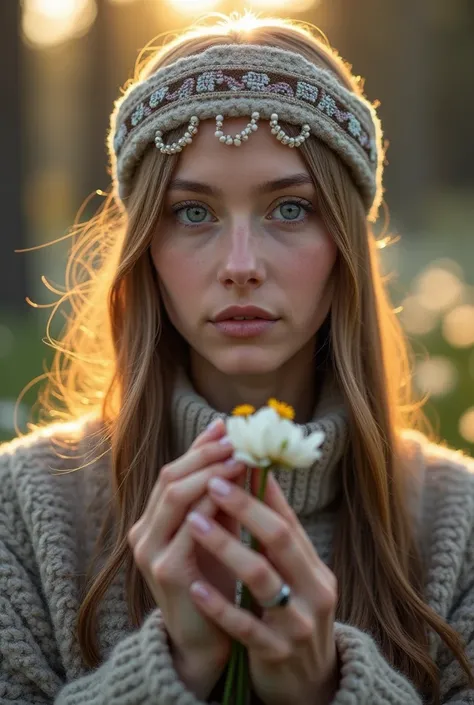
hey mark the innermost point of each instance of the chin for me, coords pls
(246, 362)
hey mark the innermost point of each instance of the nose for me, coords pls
(241, 264)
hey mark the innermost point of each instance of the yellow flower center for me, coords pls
(243, 410)
(284, 410)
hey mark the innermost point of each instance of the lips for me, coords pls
(233, 312)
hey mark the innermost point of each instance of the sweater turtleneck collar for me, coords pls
(306, 490)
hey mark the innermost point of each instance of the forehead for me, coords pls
(261, 157)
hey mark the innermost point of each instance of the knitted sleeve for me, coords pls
(138, 670)
(368, 679)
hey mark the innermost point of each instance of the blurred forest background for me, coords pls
(63, 63)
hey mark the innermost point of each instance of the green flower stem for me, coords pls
(241, 677)
(246, 603)
(229, 681)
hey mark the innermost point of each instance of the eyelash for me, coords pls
(306, 205)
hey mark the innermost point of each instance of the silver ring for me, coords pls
(281, 598)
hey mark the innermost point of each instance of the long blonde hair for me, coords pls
(118, 352)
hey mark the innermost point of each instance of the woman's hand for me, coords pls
(292, 651)
(169, 559)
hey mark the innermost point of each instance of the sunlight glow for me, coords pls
(458, 326)
(436, 376)
(415, 318)
(47, 23)
(439, 289)
(193, 7)
(290, 5)
(466, 425)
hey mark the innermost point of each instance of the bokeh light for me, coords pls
(290, 5)
(438, 289)
(436, 376)
(415, 318)
(466, 425)
(47, 23)
(193, 7)
(458, 326)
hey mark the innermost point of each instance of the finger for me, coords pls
(247, 565)
(183, 542)
(223, 518)
(193, 460)
(275, 499)
(282, 544)
(213, 431)
(169, 511)
(239, 623)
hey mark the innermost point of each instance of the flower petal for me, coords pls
(237, 430)
(246, 458)
(263, 419)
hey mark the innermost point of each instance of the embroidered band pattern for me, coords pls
(224, 81)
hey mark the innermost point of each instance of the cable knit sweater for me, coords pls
(49, 521)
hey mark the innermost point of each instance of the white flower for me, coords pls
(265, 438)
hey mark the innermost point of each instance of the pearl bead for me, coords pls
(229, 140)
(274, 116)
(254, 128)
(220, 118)
(218, 133)
(222, 139)
(237, 142)
(195, 120)
(245, 137)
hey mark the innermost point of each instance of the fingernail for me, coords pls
(225, 441)
(199, 522)
(200, 590)
(220, 487)
(213, 425)
(232, 463)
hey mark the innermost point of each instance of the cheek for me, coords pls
(308, 269)
(178, 277)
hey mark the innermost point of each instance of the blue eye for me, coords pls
(194, 213)
(291, 211)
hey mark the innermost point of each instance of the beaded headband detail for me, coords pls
(242, 136)
(241, 80)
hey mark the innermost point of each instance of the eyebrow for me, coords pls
(266, 187)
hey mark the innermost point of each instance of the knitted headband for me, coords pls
(235, 80)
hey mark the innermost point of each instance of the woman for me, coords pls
(247, 168)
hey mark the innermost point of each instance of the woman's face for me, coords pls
(241, 227)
